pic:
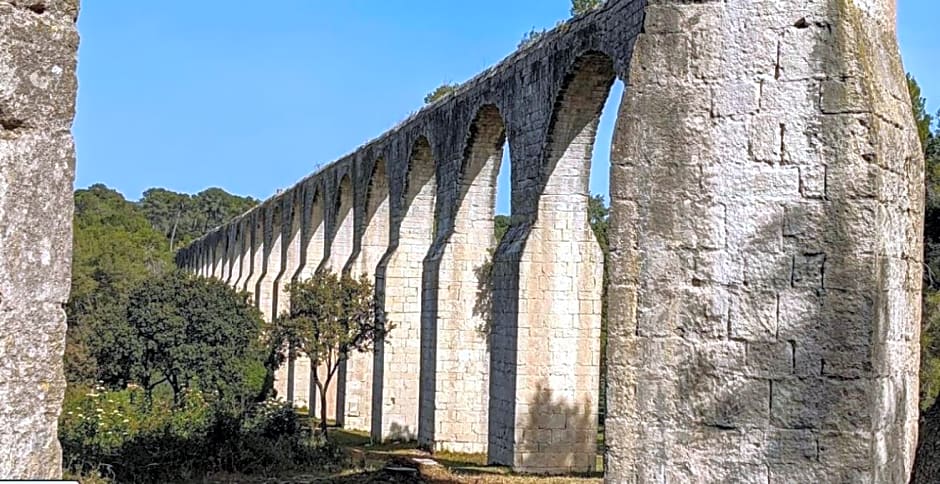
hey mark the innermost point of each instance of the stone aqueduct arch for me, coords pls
(766, 207)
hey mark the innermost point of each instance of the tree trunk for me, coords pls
(927, 461)
(323, 410)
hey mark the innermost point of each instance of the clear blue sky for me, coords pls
(251, 97)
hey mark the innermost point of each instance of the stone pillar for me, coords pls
(372, 247)
(767, 189)
(242, 253)
(253, 251)
(313, 240)
(340, 250)
(400, 352)
(288, 232)
(37, 162)
(546, 393)
(455, 418)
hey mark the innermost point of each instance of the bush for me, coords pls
(122, 436)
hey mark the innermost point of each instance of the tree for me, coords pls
(927, 460)
(921, 117)
(580, 7)
(182, 218)
(115, 248)
(190, 330)
(329, 317)
(598, 214)
(442, 91)
(500, 226)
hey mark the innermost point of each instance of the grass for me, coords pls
(368, 463)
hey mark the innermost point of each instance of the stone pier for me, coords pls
(38, 45)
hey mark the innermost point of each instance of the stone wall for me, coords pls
(764, 281)
(767, 208)
(38, 44)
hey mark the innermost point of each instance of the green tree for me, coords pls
(580, 7)
(598, 216)
(500, 226)
(167, 212)
(921, 117)
(190, 330)
(182, 218)
(329, 318)
(442, 91)
(115, 248)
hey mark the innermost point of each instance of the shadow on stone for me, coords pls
(559, 437)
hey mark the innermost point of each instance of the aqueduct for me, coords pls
(765, 267)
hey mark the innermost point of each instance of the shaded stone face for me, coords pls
(764, 275)
(38, 45)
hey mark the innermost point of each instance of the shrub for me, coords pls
(123, 436)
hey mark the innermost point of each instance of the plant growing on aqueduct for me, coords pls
(330, 316)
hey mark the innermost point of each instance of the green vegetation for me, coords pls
(930, 330)
(580, 7)
(119, 244)
(170, 375)
(189, 331)
(442, 91)
(329, 318)
(123, 436)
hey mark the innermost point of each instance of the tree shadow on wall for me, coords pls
(790, 388)
(559, 437)
(400, 433)
(483, 306)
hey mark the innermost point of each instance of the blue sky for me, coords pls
(187, 95)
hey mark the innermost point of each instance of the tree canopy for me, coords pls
(330, 317)
(189, 331)
(119, 244)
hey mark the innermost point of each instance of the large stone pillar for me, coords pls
(398, 356)
(767, 190)
(458, 298)
(372, 247)
(37, 165)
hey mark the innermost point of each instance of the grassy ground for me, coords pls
(403, 463)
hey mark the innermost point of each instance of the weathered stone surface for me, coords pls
(38, 44)
(822, 207)
(764, 276)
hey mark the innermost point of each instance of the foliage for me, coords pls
(192, 331)
(921, 117)
(330, 317)
(182, 218)
(442, 91)
(580, 7)
(118, 435)
(115, 248)
(118, 244)
(598, 215)
(930, 330)
(500, 226)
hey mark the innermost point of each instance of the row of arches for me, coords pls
(495, 346)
